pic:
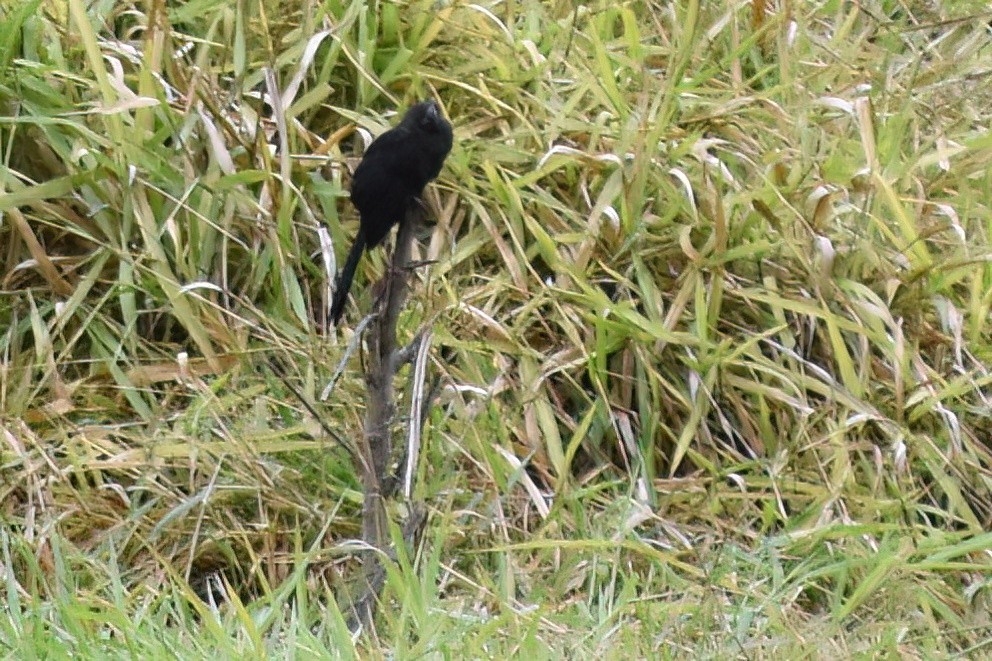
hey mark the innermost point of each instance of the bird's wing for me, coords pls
(383, 154)
(387, 142)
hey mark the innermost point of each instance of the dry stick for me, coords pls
(376, 447)
(280, 372)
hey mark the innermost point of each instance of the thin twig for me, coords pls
(280, 372)
(353, 344)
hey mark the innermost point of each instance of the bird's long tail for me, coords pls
(347, 274)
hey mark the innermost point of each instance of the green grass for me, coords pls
(710, 302)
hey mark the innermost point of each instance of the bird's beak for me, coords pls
(432, 110)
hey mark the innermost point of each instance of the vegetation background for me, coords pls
(710, 310)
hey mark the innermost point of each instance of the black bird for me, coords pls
(389, 180)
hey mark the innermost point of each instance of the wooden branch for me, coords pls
(364, 607)
(376, 446)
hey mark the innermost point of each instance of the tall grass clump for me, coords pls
(709, 290)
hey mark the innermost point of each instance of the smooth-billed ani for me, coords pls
(389, 179)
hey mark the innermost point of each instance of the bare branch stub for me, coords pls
(376, 446)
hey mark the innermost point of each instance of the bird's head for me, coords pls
(427, 117)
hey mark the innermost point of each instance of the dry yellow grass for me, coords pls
(710, 309)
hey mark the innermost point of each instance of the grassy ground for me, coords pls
(710, 307)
